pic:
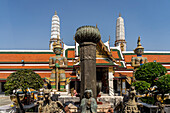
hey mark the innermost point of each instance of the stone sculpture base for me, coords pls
(131, 109)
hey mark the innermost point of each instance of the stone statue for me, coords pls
(160, 107)
(58, 63)
(45, 102)
(139, 60)
(47, 105)
(88, 103)
(131, 105)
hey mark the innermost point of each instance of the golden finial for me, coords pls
(54, 44)
(55, 12)
(139, 44)
(139, 47)
(119, 14)
(96, 25)
(58, 41)
(109, 37)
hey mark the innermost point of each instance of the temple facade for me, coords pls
(113, 64)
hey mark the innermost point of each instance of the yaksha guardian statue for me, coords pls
(88, 103)
(58, 64)
(139, 60)
(48, 105)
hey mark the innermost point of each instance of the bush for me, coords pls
(23, 79)
(167, 101)
(149, 72)
(148, 100)
(141, 86)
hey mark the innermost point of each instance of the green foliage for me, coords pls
(23, 79)
(30, 110)
(149, 100)
(141, 86)
(163, 84)
(167, 101)
(149, 72)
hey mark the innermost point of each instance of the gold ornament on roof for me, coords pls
(122, 46)
(55, 12)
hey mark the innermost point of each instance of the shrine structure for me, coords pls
(114, 65)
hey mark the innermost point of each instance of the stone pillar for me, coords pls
(111, 88)
(87, 37)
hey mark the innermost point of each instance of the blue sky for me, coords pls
(26, 24)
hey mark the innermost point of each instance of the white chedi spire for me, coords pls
(55, 30)
(55, 27)
(120, 33)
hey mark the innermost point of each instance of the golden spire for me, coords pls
(139, 47)
(55, 12)
(139, 44)
(109, 37)
(119, 14)
(96, 25)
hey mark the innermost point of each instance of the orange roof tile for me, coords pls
(25, 57)
(70, 75)
(24, 67)
(151, 58)
(101, 61)
(70, 63)
(119, 74)
(5, 75)
(70, 54)
(115, 54)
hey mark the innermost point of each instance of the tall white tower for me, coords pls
(55, 30)
(120, 33)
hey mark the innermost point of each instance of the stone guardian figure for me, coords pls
(88, 103)
(58, 64)
(139, 60)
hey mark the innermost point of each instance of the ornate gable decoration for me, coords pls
(103, 52)
(100, 53)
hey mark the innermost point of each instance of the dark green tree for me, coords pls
(141, 86)
(23, 79)
(163, 84)
(149, 72)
